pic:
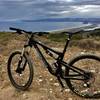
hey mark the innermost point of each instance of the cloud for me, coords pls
(87, 10)
(35, 9)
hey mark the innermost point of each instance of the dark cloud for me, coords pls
(35, 9)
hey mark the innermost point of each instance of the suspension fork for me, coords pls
(21, 66)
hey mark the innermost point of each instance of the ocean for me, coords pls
(39, 26)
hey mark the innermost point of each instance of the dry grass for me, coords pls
(88, 44)
(46, 89)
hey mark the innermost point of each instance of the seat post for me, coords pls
(66, 45)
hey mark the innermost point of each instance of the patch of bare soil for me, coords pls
(44, 85)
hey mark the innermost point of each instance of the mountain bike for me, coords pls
(81, 73)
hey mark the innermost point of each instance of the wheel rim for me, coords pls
(80, 87)
(19, 79)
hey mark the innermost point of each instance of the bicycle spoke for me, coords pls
(20, 75)
(90, 85)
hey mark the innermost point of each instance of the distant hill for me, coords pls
(82, 32)
(84, 20)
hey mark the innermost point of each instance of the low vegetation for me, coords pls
(44, 86)
(83, 40)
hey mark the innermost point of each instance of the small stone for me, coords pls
(85, 85)
(96, 92)
(40, 80)
(84, 91)
(82, 52)
(51, 79)
(63, 68)
(25, 96)
(70, 99)
(45, 71)
(93, 71)
(67, 90)
(56, 84)
(50, 91)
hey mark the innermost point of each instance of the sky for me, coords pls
(15, 10)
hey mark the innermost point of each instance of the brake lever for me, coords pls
(19, 32)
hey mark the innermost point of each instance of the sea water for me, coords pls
(39, 26)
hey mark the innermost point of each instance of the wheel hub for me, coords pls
(19, 70)
(89, 79)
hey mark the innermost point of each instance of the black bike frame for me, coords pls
(59, 59)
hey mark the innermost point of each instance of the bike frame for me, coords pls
(59, 60)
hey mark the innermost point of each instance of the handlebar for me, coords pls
(20, 31)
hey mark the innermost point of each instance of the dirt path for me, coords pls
(44, 86)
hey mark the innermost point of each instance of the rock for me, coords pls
(25, 96)
(70, 99)
(50, 91)
(82, 52)
(51, 79)
(40, 80)
(67, 90)
(63, 68)
(56, 84)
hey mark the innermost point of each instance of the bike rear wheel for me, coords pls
(20, 70)
(85, 88)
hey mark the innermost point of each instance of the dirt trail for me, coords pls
(44, 86)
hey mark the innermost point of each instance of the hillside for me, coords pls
(44, 86)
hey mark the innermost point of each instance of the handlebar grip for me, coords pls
(15, 29)
(19, 31)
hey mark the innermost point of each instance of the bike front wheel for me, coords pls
(20, 70)
(89, 88)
